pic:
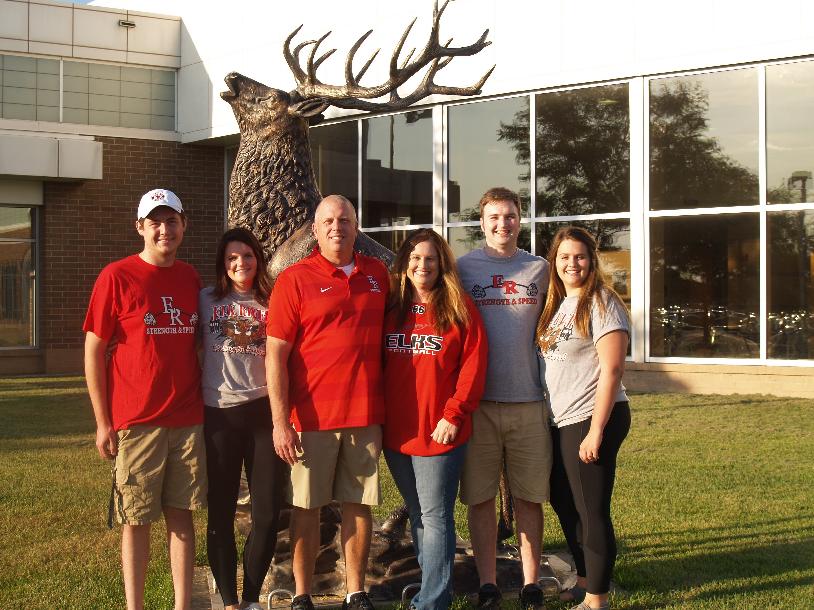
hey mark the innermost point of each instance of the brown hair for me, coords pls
(262, 280)
(447, 297)
(594, 285)
(499, 193)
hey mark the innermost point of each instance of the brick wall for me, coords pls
(86, 225)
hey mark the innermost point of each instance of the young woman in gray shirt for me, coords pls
(583, 337)
(237, 416)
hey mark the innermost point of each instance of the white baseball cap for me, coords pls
(158, 197)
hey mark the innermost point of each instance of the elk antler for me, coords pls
(352, 95)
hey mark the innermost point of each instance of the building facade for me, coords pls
(680, 136)
(88, 123)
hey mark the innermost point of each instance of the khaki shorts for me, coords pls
(341, 465)
(519, 431)
(158, 467)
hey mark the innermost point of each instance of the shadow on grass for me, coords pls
(13, 385)
(726, 530)
(721, 574)
(712, 401)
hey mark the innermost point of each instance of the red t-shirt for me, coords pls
(154, 377)
(334, 322)
(431, 375)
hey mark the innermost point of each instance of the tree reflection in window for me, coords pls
(583, 151)
(582, 159)
(703, 153)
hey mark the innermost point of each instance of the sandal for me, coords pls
(577, 594)
(584, 606)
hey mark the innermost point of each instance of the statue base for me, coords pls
(393, 566)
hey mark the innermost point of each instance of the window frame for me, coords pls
(96, 126)
(34, 240)
(638, 216)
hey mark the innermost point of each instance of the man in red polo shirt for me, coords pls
(323, 365)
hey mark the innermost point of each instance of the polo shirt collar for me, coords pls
(328, 267)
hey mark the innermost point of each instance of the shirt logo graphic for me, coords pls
(325, 289)
(242, 331)
(419, 309)
(416, 344)
(560, 329)
(176, 325)
(175, 314)
(374, 285)
(507, 293)
(505, 286)
(242, 328)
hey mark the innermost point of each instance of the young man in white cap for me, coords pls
(147, 398)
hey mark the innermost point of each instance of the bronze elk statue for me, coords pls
(272, 190)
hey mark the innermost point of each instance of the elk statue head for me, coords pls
(272, 190)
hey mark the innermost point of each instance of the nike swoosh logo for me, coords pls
(325, 289)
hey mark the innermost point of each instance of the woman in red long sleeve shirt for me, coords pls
(435, 365)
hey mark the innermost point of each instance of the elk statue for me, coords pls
(272, 190)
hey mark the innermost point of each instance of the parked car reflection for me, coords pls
(791, 334)
(697, 331)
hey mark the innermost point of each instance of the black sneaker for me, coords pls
(302, 602)
(358, 601)
(531, 598)
(489, 597)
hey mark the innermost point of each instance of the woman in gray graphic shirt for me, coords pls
(583, 336)
(237, 417)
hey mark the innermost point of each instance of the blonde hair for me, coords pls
(447, 299)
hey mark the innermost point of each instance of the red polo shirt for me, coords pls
(335, 323)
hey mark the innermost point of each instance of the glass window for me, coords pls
(116, 96)
(335, 156)
(703, 140)
(790, 251)
(391, 240)
(704, 286)
(15, 223)
(97, 94)
(17, 265)
(397, 169)
(488, 147)
(789, 132)
(48, 90)
(613, 239)
(466, 239)
(583, 151)
(19, 87)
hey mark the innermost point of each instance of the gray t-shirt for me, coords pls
(234, 348)
(571, 366)
(509, 293)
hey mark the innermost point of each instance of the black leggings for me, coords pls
(236, 436)
(581, 496)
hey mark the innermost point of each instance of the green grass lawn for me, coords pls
(713, 504)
